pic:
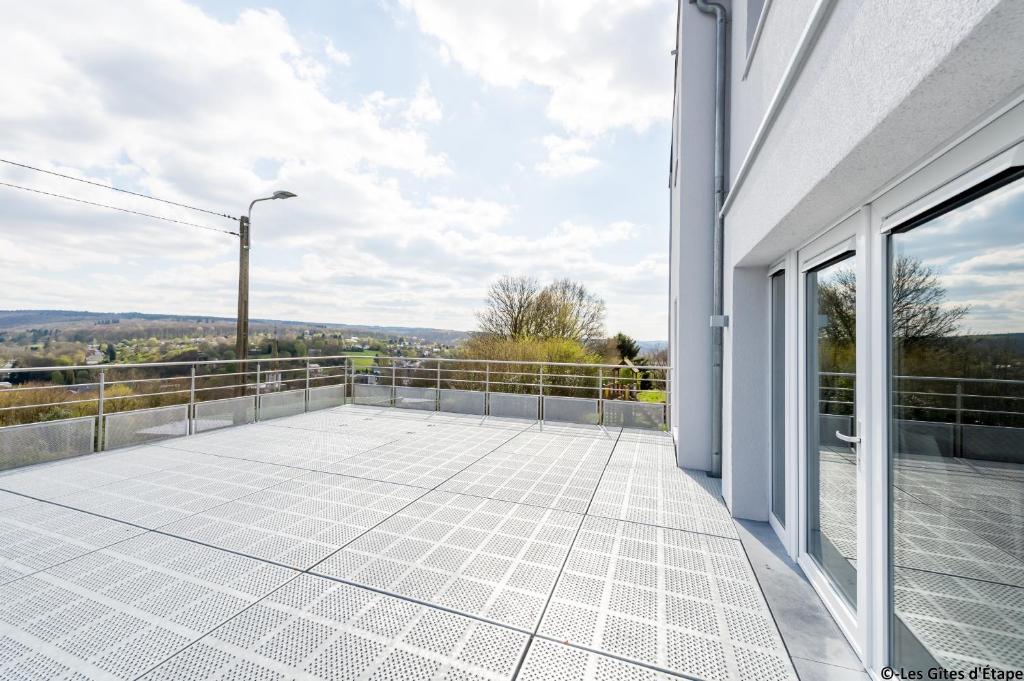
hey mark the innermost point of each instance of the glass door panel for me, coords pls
(956, 434)
(831, 473)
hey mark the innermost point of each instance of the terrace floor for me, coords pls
(364, 543)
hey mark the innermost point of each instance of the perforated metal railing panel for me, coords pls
(278, 405)
(40, 442)
(128, 428)
(416, 398)
(462, 401)
(634, 414)
(325, 397)
(442, 544)
(372, 394)
(572, 409)
(508, 405)
(232, 411)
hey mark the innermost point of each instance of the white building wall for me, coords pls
(841, 98)
(692, 213)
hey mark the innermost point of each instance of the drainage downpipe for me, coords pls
(718, 319)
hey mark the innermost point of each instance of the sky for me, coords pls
(434, 145)
(977, 254)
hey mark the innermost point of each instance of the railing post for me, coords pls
(540, 402)
(958, 435)
(257, 410)
(100, 429)
(307, 384)
(667, 384)
(394, 385)
(600, 395)
(437, 399)
(192, 401)
(487, 388)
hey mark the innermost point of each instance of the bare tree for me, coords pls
(516, 307)
(919, 311)
(510, 307)
(566, 309)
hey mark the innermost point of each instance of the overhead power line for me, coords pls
(117, 189)
(117, 208)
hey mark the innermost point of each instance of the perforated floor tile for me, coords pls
(298, 447)
(550, 661)
(59, 479)
(576, 430)
(964, 623)
(119, 611)
(427, 458)
(318, 628)
(299, 522)
(38, 535)
(683, 602)
(630, 595)
(642, 484)
(158, 498)
(542, 470)
(8, 500)
(482, 557)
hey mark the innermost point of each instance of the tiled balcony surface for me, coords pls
(365, 543)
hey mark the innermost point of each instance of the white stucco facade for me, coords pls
(838, 111)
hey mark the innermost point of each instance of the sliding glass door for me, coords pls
(831, 417)
(956, 432)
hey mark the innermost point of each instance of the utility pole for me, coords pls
(242, 321)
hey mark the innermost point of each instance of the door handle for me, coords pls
(850, 439)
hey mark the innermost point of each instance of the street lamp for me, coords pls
(242, 322)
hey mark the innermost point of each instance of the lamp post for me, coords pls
(242, 322)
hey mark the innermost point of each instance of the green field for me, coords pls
(651, 396)
(364, 359)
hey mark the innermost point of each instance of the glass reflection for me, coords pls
(956, 450)
(831, 463)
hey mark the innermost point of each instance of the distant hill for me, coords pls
(652, 346)
(12, 320)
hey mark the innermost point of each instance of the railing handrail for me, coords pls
(207, 362)
(944, 379)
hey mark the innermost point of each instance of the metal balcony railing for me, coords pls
(55, 412)
(938, 415)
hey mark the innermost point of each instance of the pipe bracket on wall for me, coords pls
(719, 321)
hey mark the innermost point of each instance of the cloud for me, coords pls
(336, 55)
(605, 63)
(217, 112)
(567, 156)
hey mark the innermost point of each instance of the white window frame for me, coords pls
(986, 152)
(849, 234)
(789, 533)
